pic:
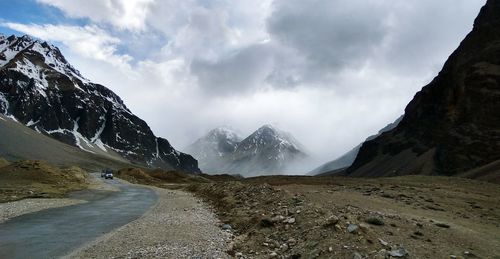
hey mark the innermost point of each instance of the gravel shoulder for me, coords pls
(14, 209)
(179, 226)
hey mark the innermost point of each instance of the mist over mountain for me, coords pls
(266, 151)
(213, 149)
(348, 158)
(40, 89)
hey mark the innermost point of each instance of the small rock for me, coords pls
(330, 249)
(338, 227)
(468, 253)
(352, 228)
(400, 252)
(332, 220)
(382, 242)
(273, 255)
(226, 227)
(442, 225)
(364, 227)
(239, 254)
(291, 221)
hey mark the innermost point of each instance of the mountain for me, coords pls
(213, 149)
(19, 142)
(348, 158)
(268, 150)
(452, 125)
(40, 89)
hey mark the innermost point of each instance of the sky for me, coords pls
(330, 72)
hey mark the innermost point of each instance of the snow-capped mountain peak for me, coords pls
(269, 136)
(223, 133)
(39, 88)
(267, 150)
(36, 58)
(216, 143)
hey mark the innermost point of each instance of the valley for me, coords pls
(83, 176)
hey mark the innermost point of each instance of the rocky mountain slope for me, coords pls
(452, 125)
(213, 149)
(41, 90)
(18, 142)
(268, 150)
(348, 158)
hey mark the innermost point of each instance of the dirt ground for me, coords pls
(341, 217)
(330, 217)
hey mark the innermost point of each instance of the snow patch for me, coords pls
(97, 136)
(157, 155)
(31, 123)
(79, 137)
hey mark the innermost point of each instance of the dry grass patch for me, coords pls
(37, 179)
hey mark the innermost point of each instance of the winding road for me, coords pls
(56, 232)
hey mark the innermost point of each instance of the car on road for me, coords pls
(108, 175)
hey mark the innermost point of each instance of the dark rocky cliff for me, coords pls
(453, 124)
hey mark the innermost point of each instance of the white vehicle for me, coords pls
(107, 174)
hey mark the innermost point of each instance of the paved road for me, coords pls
(56, 232)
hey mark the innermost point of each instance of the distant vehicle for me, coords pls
(107, 174)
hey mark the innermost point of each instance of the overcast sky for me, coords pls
(331, 72)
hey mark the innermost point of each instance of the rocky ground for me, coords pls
(179, 226)
(402, 217)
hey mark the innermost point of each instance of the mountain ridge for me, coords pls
(40, 89)
(267, 150)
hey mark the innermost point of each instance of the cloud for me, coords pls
(89, 41)
(236, 74)
(331, 72)
(332, 34)
(124, 14)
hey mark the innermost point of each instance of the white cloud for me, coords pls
(124, 14)
(331, 72)
(89, 41)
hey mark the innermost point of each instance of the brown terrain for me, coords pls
(37, 179)
(339, 217)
